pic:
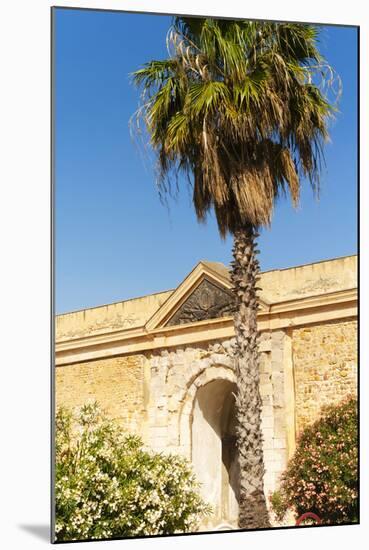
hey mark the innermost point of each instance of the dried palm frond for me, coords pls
(238, 108)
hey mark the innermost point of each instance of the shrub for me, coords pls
(322, 476)
(108, 486)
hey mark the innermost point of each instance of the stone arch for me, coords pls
(194, 370)
(206, 437)
(206, 375)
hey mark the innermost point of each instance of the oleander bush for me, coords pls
(322, 476)
(108, 486)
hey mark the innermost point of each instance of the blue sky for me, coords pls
(114, 238)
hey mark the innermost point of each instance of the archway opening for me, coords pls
(213, 449)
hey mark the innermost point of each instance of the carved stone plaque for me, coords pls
(208, 301)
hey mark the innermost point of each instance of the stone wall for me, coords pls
(175, 377)
(105, 319)
(177, 374)
(273, 417)
(155, 394)
(118, 384)
(173, 384)
(325, 367)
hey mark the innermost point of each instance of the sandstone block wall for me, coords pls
(118, 384)
(301, 370)
(153, 394)
(325, 367)
(170, 390)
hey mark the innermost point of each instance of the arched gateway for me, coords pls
(207, 438)
(213, 448)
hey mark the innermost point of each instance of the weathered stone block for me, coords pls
(266, 389)
(267, 422)
(267, 433)
(279, 443)
(320, 356)
(267, 411)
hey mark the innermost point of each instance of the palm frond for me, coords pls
(242, 109)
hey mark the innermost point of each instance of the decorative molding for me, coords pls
(105, 325)
(207, 301)
(183, 291)
(203, 270)
(289, 314)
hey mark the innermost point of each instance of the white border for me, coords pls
(24, 219)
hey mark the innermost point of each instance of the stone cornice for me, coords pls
(290, 313)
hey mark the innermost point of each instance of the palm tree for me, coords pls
(237, 107)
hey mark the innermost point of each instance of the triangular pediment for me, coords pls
(207, 301)
(204, 294)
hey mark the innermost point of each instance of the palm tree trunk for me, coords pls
(253, 511)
